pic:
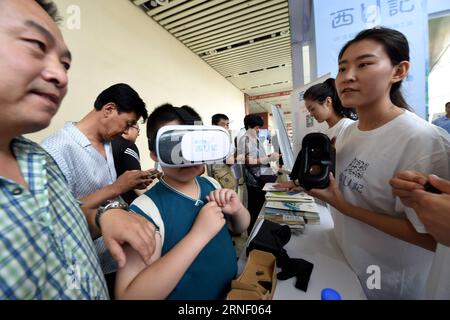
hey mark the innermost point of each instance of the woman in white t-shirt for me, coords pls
(323, 103)
(383, 241)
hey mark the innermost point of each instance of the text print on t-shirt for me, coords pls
(353, 174)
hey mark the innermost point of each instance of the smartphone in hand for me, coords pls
(429, 188)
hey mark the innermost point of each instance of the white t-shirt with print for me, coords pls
(366, 161)
(438, 284)
(338, 128)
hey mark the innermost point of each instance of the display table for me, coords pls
(317, 245)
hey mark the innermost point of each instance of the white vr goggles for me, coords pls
(190, 145)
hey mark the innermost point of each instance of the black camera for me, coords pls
(314, 162)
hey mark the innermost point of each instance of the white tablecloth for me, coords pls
(317, 245)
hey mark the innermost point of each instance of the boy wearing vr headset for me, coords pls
(194, 256)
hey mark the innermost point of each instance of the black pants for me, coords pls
(256, 199)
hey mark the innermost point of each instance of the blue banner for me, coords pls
(337, 22)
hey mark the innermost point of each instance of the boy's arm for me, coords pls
(157, 281)
(239, 222)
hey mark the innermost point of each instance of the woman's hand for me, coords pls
(331, 195)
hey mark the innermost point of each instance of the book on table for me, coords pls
(270, 186)
(292, 211)
(288, 196)
(292, 206)
(294, 222)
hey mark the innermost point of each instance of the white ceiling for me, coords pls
(246, 41)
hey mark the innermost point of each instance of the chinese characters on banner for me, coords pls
(337, 22)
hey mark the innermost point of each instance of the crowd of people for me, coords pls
(79, 221)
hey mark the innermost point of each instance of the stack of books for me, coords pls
(293, 221)
(292, 208)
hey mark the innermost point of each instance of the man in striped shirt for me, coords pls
(83, 152)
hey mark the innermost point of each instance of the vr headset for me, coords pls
(315, 161)
(190, 145)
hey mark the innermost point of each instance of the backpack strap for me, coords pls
(213, 181)
(147, 208)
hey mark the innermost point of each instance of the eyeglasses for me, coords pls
(134, 126)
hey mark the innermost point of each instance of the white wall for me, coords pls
(117, 42)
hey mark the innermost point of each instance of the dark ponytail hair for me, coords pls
(397, 48)
(320, 92)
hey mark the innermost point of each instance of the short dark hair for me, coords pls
(124, 97)
(217, 117)
(161, 116)
(321, 91)
(396, 47)
(253, 120)
(51, 8)
(447, 104)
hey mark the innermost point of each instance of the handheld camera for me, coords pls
(315, 161)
